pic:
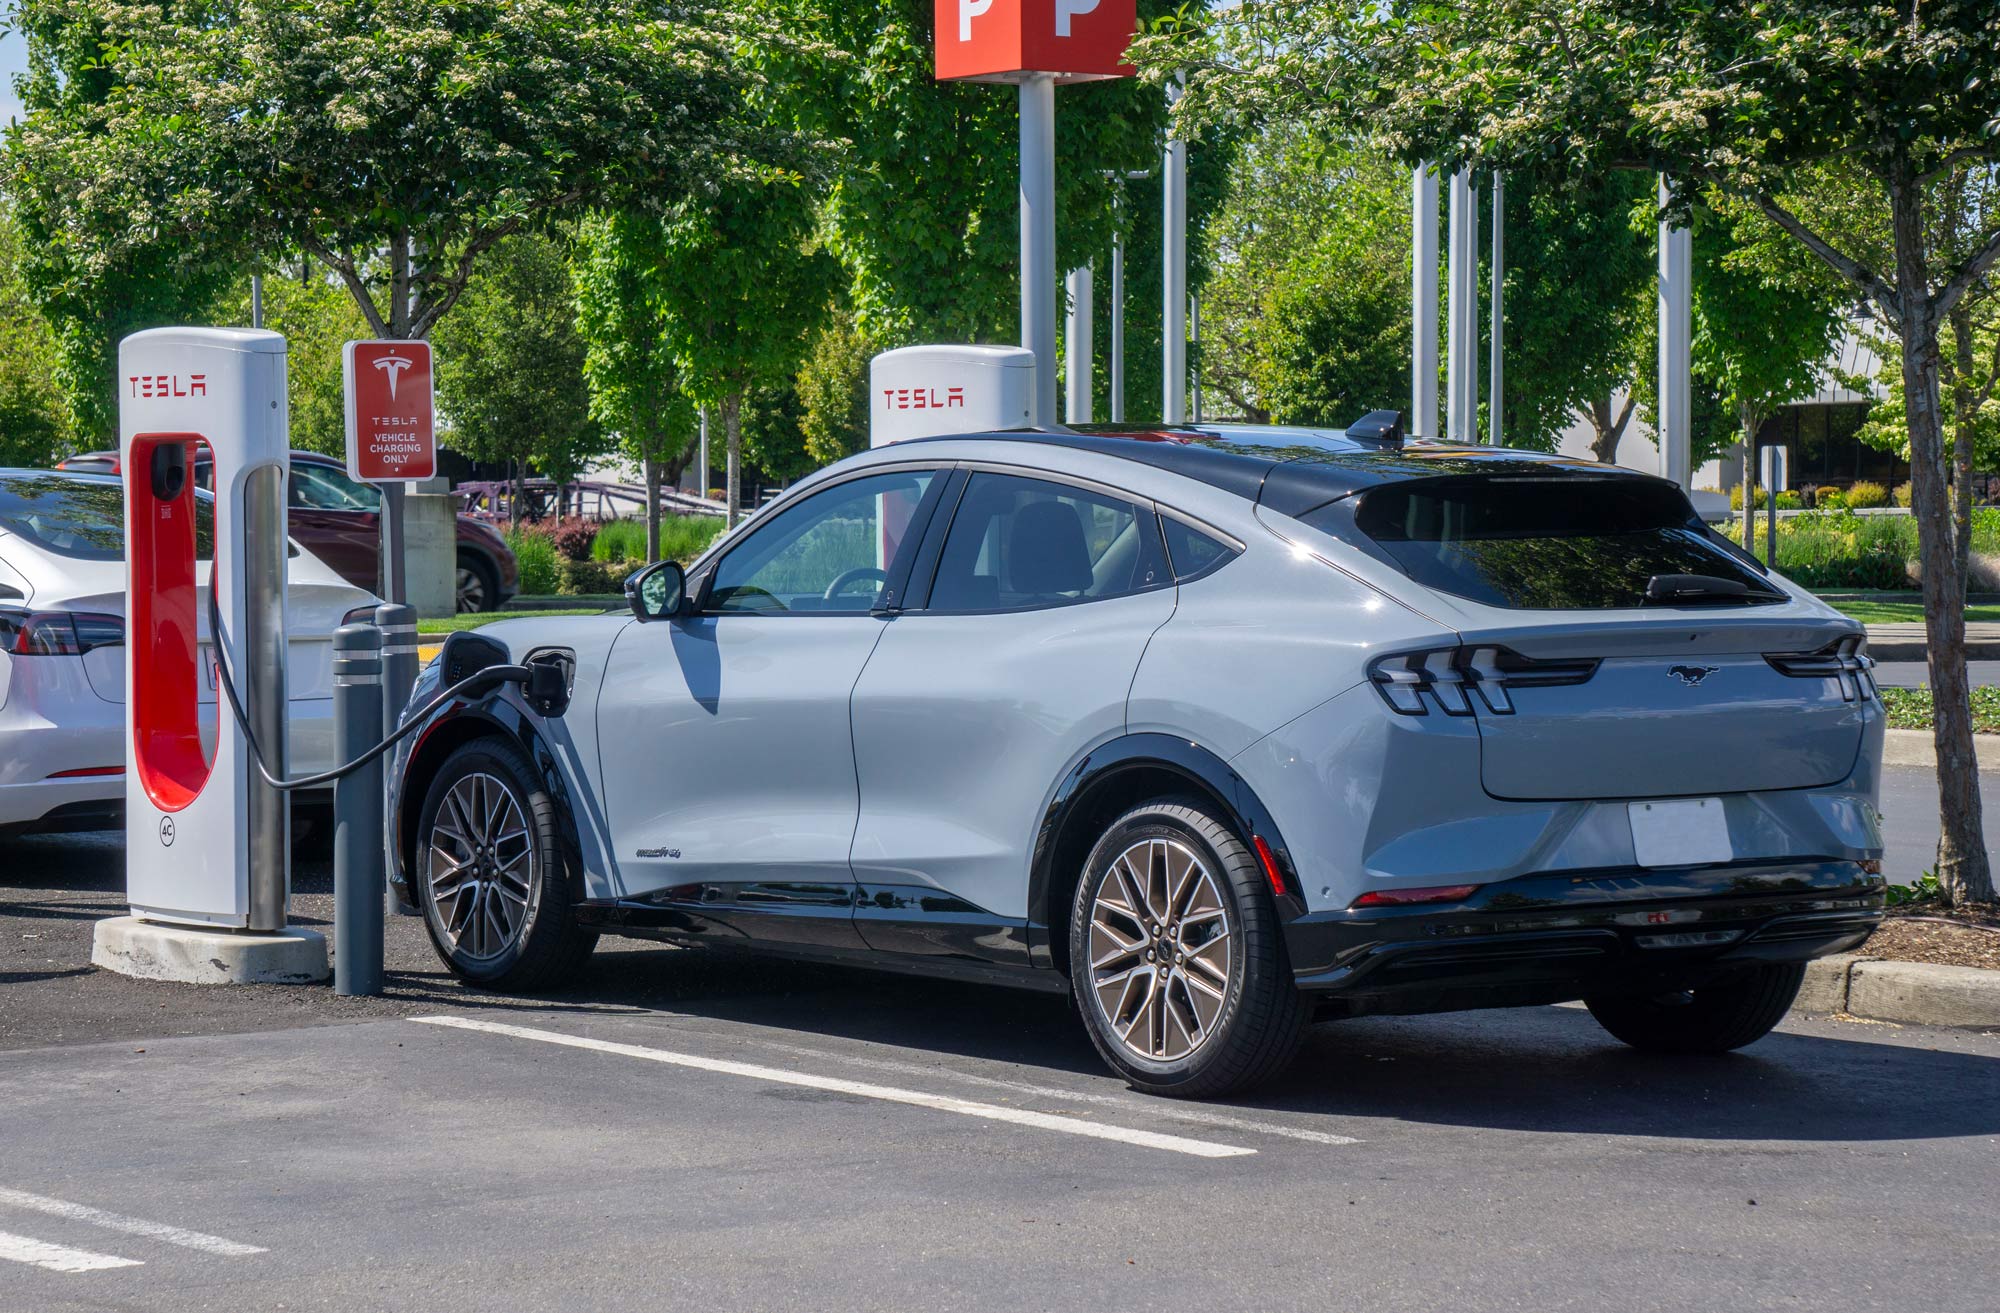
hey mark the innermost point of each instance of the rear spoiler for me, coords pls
(1384, 428)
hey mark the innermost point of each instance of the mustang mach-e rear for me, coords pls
(1216, 729)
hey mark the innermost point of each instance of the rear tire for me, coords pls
(1728, 1014)
(1177, 959)
(492, 876)
(478, 585)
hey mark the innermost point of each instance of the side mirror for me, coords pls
(658, 592)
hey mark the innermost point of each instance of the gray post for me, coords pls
(256, 300)
(398, 624)
(392, 583)
(1499, 275)
(358, 875)
(1173, 309)
(1118, 327)
(1038, 238)
(1424, 303)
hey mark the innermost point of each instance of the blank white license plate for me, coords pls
(1680, 832)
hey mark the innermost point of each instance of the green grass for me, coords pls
(451, 624)
(682, 538)
(1912, 708)
(1839, 550)
(1899, 613)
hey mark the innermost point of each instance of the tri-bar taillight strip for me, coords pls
(1841, 660)
(1452, 676)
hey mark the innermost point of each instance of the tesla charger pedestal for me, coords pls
(929, 391)
(206, 843)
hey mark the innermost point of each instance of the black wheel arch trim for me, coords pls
(1206, 774)
(496, 714)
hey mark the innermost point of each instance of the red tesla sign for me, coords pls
(993, 40)
(391, 428)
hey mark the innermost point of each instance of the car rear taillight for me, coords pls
(1451, 676)
(57, 633)
(1842, 660)
(1439, 893)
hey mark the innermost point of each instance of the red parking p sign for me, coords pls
(391, 427)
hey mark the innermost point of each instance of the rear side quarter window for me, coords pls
(1194, 552)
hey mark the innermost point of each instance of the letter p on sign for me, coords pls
(971, 9)
(1068, 9)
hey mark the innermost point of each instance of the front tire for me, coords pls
(1728, 1014)
(1177, 960)
(478, 585)
(492, 876)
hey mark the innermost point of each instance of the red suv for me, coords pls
(339, 520)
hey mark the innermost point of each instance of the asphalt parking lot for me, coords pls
(686, 1129)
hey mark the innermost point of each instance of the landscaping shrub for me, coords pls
(1902, 494)
(682, 538)
(582, 578)
(1736, 498)
(1865, 496)
(536, 556)
(1827, 497)
(1789, 501)
(571, 535)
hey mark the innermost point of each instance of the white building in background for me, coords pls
(1818, 429)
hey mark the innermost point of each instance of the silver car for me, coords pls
(1220, 731)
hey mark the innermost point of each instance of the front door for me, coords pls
(727, 750)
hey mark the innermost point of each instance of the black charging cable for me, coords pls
(226, 679)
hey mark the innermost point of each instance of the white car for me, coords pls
(62, 650)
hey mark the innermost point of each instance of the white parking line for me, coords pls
(887, 1093)
(1165, 1108)
(173, 1235)
(57, 1258)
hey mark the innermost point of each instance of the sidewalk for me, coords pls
(1905, 642)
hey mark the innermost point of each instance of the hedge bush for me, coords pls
(1865, 496)
(682, 538)
(536, 556)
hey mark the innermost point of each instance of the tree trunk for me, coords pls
(1609, 429)
(652, 504)
(1748, 419)
(732, 428)
(1963, 408)
(1964, 874)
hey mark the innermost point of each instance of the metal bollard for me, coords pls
(358, 849)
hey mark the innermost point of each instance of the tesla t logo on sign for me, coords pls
(993, 40)
(391, 430)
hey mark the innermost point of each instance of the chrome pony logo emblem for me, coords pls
(1692, 675)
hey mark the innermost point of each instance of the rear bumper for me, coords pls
(1547, 938)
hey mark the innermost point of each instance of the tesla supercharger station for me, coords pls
(206, 842)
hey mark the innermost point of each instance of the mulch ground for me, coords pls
(1955, 937)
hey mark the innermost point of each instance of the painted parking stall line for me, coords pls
(57, 1258)
(138, 1226)
(862, 1089)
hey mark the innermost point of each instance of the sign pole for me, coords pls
(1173, 307)
(1038, 238)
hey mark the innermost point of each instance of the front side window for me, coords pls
(317, 488)
(1020, 543)
(1554, 544)
(832, 552)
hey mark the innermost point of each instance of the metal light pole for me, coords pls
(1424, 302)
(1173, 317)
(1038, 238)
(1079, 341)
(1676, 347)
(256, 300)
(1462, 339)
(1493, 392)
(1118, 327)
(1194, 353)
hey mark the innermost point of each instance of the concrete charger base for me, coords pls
(191, 955)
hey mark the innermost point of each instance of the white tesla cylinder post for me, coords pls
(1497, 375)
(1117, 388)
(1079, 337)
(1676, 348)
(1173, 307)
(206, 844)
(1424, 302)
(933, 391)
(1038, 237)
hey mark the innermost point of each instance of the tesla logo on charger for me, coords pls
(923, 398)
(168, 385)
(1076, 40)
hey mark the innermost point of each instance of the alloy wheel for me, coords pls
(1162, 948)
(482, 867)
(471, 590)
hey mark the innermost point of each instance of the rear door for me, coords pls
(978, 700)
(1613, 647)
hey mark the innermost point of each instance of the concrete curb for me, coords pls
(1915, 747)
(1915, 993)
(194, 956)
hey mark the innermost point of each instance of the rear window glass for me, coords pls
(1547, 544)
(83, 519)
